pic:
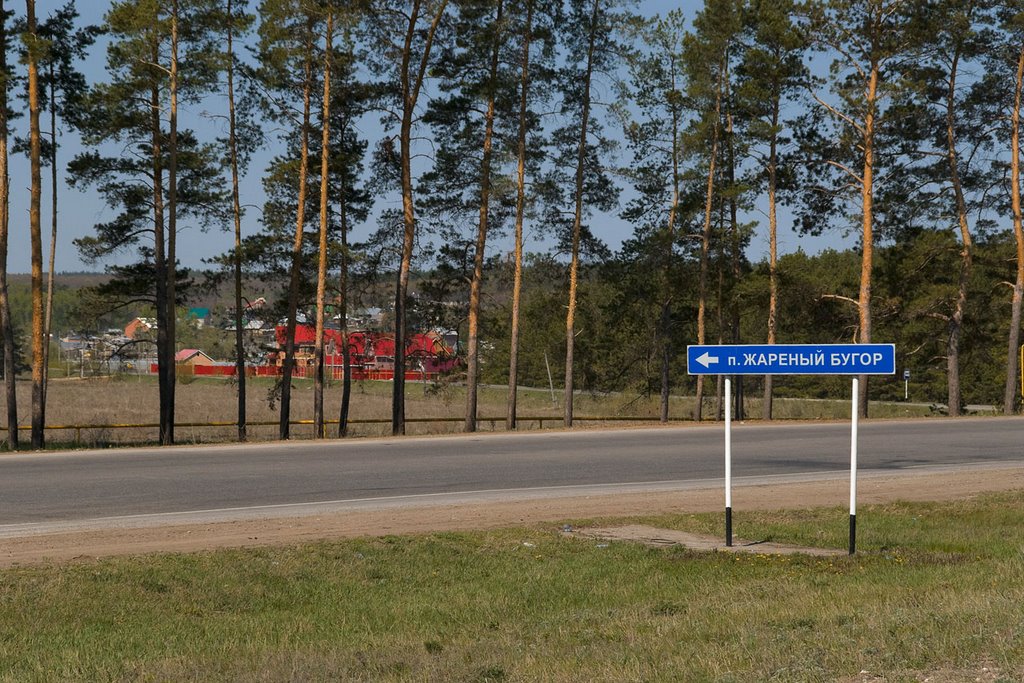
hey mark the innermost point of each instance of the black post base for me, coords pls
(853, 534)
(728, 527)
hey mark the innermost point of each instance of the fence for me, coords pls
(539, 419)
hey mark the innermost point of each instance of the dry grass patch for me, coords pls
(134, 400)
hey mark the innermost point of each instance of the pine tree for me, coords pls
(236, 21)
(284, 252)
(463, 193)
(536, 22)
(63, 87)
(491, 85)
(353, 98)
(591, 33)
(34, 50)
(769, 73)
(322, 257)
(951, 130)
(1007, 65)
(844, 150)
(6, 325)
(658, 81)
(157, 172)
(707, 52)
(402, 34)
(286, 54)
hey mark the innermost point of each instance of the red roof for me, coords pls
(360, 343)
(185, 354)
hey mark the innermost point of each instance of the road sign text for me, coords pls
(792, 359)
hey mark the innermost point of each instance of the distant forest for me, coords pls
(444, 124)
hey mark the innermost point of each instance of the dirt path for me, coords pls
(873, 488)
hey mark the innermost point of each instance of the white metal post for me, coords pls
(728, 461)
(853, 466)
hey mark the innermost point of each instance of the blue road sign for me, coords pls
(792, 359)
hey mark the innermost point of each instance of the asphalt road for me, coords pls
(93, 485)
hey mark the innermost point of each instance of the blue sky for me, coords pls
(79, 211)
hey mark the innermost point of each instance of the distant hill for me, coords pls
(71, 280)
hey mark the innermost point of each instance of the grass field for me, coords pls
(935, 594)
(134, 400)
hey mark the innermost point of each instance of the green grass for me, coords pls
(937, 589)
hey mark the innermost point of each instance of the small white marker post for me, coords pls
(728, 461)
(853, 467)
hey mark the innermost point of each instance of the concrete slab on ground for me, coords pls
(655, 537)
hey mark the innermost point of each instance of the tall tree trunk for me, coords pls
(319, 429)
(6, 325)
(665, 324)
(48, 319)
(1012, 367)
(164, 361)
(665, 319)
(411, 84)
(284, 424)
(346, 353)
(734, 231)
(236, 207)
(577, 224)
(720, 305)
(966, 253)
(472, 351)
(517, 284)
(167, 402)
(867, 234)
(35, 230)
(705, 245)
(773, 250)
(402, 286)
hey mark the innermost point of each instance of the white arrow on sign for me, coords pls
(706, 359)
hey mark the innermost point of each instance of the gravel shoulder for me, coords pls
(554, 506)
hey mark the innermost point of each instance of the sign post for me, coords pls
(728, 461)
(792, 359)
(853, 466)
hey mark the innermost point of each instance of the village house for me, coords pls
(192, 358)
(139, 326)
